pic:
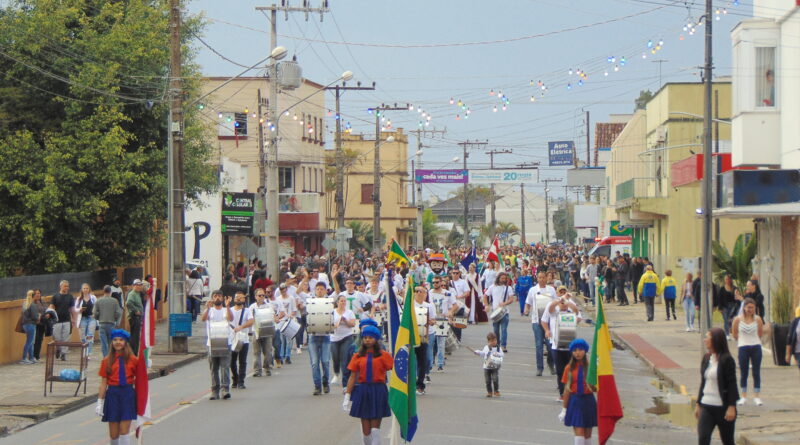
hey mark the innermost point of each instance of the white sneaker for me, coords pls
(334, 379)
(688, 329)
(299, 350)
(758, 401)
(741, 401)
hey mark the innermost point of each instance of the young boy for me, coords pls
(492, 360)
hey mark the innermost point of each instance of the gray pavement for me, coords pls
(281, 409)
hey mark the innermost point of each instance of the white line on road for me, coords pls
(484, 439)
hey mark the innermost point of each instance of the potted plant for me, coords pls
(781, 307)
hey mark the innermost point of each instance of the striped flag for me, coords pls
(147, 337)
(402, 395)
(601, 375)
(494, 253)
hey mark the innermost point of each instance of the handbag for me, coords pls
(18, 328)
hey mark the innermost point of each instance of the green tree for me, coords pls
(563, 224)
(430, 231)
(738, 263)
(82, 133)
(455, 238)
(643, 99)
(362, 235)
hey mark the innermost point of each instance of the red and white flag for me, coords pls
(494, 252)
(147, 338)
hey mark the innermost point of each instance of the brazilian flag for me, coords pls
(402, 394)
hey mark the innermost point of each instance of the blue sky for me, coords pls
(416, 53)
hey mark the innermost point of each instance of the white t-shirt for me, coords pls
(356, 300)
(343, 330)
(461, 287)
(497, 293)
(486, 351)
(443, 300)
(711, 394)
(290, 291)
(489, 276)
(215, 314)
(287, 305)
(248, 315)
(552, 321)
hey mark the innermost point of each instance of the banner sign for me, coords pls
(237, 213)
(561, 152)
(440, 176)
(504, 176)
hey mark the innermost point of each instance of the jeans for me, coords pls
(492, 377)
(30, 336)
(727, 317)
(501, 331)
(286, 348)
(746, 355)
(276, 345)
(340, 359)
(422, 366)
(193, 306)
(220, 373)
(88, 325)
(670, 303)
(429, 352)
(609, 291)
(562, 360)
(319, 352)
(105, 337)
(539, 339)
(689, 309)
(710, 417)
(262, 346)
(649, 303)
(619, 285)
(61, 333)
(592, 290)
(239, 365)
(437, 347)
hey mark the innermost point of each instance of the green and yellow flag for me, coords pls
(601, 374)
(402, 395)
(396, 254)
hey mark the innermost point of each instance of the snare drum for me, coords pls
(493, 361)
(441, 328)
(289, 327)
(239, 340)
(451, 344)
(566, 329)
(460, 322)
(265, 322)
(497, 315)
(219, 338)
(542, 301)
(320, 316)
(422, 319)
(379, 317)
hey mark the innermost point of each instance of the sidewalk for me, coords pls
(674, 355)
(22, 403)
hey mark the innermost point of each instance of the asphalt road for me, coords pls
(280, 409)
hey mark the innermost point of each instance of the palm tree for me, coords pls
(362, 235)
(505, 230)
(739, 263)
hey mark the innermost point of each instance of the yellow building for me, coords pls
(653, 181)
(397, 215)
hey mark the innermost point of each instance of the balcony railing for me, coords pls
(298, 203)
(638, 188)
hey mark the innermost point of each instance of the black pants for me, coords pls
(562, 360)
(239, 365)
(635, 286)
(300, 337)
(135, 322)
(422, 364)
(619, 285)
(670, 303)
(649, 303)
(711, 417)
(492, 377)
(37, 342)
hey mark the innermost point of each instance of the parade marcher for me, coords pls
(116, 399)
(133, 302)
(437, 265)
(421, 350)
(356, 301)
(538, 332)
(242, 321)
(523, 285)
(62, 329)
(280, 314)
(108, 314)
(649, 286)
(319, 351)
(370, 398)
(549, 323)
(289, 307)
(460, 290)
(579, 409)
(491, 371)
(747, 330)
(262, 346)
(303, 293)
(477, 312)
(344, 320)
(669, 289)
(501, 294)
(717, 397)
(687, 301)
(220, 365)
(86, 324)
(444, 302)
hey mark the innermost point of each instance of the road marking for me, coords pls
(93, 419)
(175, 385)
(486, 439)
(52, 437)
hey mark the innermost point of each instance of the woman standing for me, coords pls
(31, 314)
(84, 306)
(370, 398)
(194, 294)
(727, 302)
(45, 325)
(687, 301)
(303, 294)
(716, 401)
(344, 320)
(747, 330)
(118, 371)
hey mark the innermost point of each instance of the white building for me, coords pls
(508, 209)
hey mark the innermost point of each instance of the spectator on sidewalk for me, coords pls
(688, 301)
(591, 275)
(747, 329)
(637, 270)
(32, 311)
(609, 280)
(669, 289)
(716, 401)
(45, 326)
(793, 340)
(84, 308)
(727, 303)
(135, 307)
(649, 287)
(62, 302)
(194, 294)
(753, 291)
(108, 314)
(620, 275)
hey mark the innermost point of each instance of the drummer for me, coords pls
(220, 365)
(538, 333)
(549, 323)
(242, 320)
(501, 295)
(280, 315)
(262, 345)
(460, 289)
(289, 309)
(319, 349)
(420, 295)
(445, 303)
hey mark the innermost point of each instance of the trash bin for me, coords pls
(71, 369)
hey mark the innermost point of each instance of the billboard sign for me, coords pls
(440, 176)
(504, 176)
(561, 153)
(237, 213)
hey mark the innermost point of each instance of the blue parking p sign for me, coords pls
(561, 152)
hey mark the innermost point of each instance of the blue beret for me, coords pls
(578, 343)
(371, 331)
(367, 322)
(120, 333)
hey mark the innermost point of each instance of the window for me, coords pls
(304, 179)
(366, 193)
(765, 77)
(232, 124)
(285, 179)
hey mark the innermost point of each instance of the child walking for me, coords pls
(118, 371)
(492, 360)
(580, 407)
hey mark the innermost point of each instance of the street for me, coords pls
(281, 409)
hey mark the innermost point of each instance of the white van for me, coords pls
(610, 245)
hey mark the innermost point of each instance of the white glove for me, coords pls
(346, 403)
(562, 415)
(99, 408)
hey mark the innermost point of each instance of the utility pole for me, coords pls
(547, 207)
(176, 221)
(465, 146)
(419, 237)
(588, 155)
(269, 164)
(708, 174)
(376, 183)
(659, 62)
(491, 153)
(717, 170)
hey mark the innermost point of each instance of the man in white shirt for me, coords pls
(317, 277)
(538, 332)
(319, 349)
(355, 299)
(460, 289)
(242, 320)
(549, 323)
(262, 345)
(420, 295)
(220, 364)
(501, 294)
(289, 308)
(445, 304)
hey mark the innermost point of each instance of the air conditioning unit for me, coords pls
(661, 134)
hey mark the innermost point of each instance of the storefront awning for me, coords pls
(759, 211)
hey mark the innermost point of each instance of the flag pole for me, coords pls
(394, 435)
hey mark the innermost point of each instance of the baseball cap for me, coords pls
(283, 286)
(137, 281)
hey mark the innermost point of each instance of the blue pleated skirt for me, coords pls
(370, 401)
(581, 411)
(120, 404)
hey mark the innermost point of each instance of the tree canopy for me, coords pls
(83, 89)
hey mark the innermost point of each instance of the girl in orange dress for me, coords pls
(116, 399)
